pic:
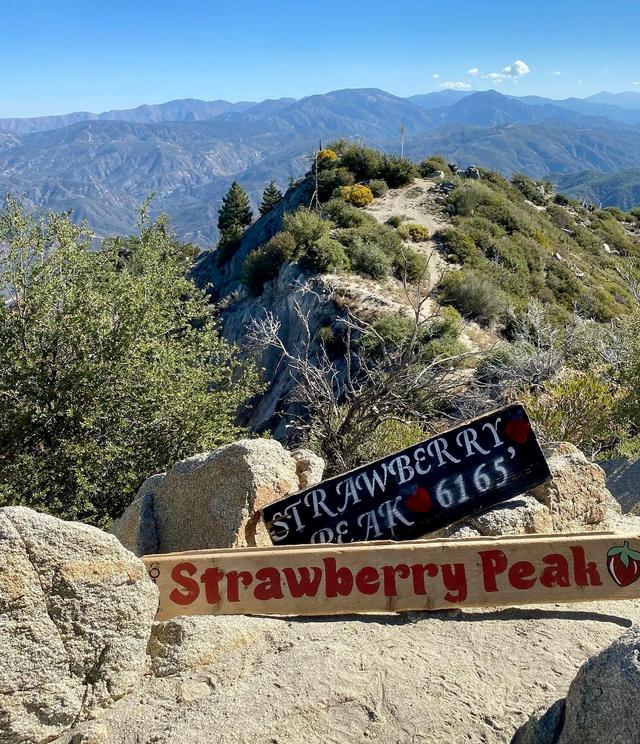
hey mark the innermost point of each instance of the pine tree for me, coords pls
(234, 214)
(270, 198)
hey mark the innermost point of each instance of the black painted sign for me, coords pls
(418, 490)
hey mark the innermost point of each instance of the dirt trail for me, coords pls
(416, 204)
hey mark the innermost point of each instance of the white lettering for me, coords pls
(388, 511)
(372, 523)
(470, 437)
(438, 447)
(493, 428)
(420, 456)
(401, 467)
(350, 493)
(372, 482)
(318, 496)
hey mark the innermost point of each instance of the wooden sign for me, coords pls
(416, 575)
(419, 489)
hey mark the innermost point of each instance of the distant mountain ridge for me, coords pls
(187, 109)
(187, 152)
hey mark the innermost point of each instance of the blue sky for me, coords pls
(62, 55)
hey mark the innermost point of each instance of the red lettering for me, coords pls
(337, 581)
(305, 585)
(367, 580)
(519, 575)
(191, 586)
(455, 580)
(269, 586)
(418, 571)
(586, 573)
(557, 571)
(211, 580)
(389, 578)
(494, 562)
(233, 579)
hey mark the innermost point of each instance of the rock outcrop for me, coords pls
(212, 500)
(576, 499)
(75, 615)
(438, 677)
(601, 705)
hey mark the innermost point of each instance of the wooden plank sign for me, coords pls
(413, 575)
(418, 490)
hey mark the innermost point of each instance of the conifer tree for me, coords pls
(234, 214)
(270, 198)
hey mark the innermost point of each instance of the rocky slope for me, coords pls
(321, 297)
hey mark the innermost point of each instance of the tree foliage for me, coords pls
(234, 214)
(270, 197)
(111, 367)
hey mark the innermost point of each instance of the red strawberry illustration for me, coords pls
(419, 500)
(623, 564)
(517, 430)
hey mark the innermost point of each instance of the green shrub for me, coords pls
(343, 214)
(358, 195)
(388, 437)
(397, 171)
(414, 232)
(394, 221)
(583, 408)
(467, 197)
(331, 179)
(411, 265)
(385, 237)
(560, 217)
(363, 162)
(326, 254)
(305, 227)
(503, 213)
(530, 189)
(458, 244)
(562, 282)
(263, 264)
(112, 369)
(442, 336)
(258, 269)
(436, 163)
(562, 200)
(368, 259)
(378, 187)
(473, 294)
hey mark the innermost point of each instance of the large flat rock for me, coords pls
(418, 677)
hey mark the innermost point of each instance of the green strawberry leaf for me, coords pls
(624, 557)
(616, 551)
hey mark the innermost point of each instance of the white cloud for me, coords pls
(556, 73)
(457, 85)
(636, 82)
(435, 76)
(473, 71)
(516, 70)
(579, 82)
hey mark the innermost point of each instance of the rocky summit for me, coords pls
(84, 662)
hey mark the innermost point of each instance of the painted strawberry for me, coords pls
(419, 500)
(518, 430)
(623, 564)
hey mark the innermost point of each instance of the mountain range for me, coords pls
(102, 166)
